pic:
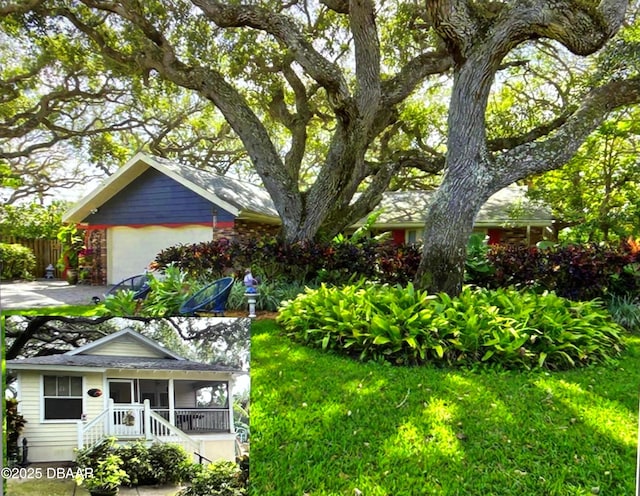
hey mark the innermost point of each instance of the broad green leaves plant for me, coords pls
(407, 326)
(17, 261)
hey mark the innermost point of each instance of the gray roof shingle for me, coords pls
(118, 362)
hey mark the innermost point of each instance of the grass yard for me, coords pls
(64, 310)
(325, 425)
(51, 487)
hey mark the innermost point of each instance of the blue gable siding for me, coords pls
(154, 198)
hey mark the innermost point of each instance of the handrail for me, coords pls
(161, 428)
(201, 457)
(85, 439)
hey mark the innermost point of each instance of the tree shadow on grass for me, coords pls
(323, 424)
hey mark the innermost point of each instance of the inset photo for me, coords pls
(127, 402)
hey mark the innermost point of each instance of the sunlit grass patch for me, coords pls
(327, 425)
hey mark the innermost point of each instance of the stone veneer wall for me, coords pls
(245, 230)
(96, 240)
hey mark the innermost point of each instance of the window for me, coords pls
(413, 236)
(62, 397)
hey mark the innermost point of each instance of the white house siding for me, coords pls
(185, 395)
(124, 346)
(130, 250)
(52, 441)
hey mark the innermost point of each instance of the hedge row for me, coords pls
(333, 262)
(578, 272)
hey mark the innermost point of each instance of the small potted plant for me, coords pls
(72, 243)
(107, 477)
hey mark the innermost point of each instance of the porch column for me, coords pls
(80, 434)
(231, 384)
(147, 420)
(172, 403)
(110, 425)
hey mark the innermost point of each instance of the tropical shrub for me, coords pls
(17, 261)
(160, 463)
(32, 221)
(579, 272)
(211, 258)
(407, 326)
(478, 268)
(171, 463)
(625, 310)
(398, 264)
(137, 464)
(216, 479)
(168, 292)
(271, 259)
(121, 303)
(15, 425)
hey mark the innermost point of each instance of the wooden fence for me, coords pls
(47, 251)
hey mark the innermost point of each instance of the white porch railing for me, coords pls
(133, 422)
(158, 429)
(93, 432)
(200, 420)
(126, 420)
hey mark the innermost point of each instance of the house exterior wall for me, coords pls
(502, 235)
(154, 198)
(130, 250)
(218, 446)
(52, 440)
(185, 396)
(124, 346)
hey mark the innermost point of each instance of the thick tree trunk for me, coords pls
(451, 217)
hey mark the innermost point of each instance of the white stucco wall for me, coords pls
(130, 250)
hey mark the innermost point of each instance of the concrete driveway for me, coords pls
(46, 293)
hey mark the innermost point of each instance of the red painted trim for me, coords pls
(219, 225)
(494, 236)
(398, 236)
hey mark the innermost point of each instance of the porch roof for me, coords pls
(104, 362)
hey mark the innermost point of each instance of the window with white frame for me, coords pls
(62, 397)
(413, 236)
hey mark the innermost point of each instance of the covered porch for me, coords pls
(186, 412)
(193, 406)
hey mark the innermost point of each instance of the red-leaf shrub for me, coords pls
(579, 272)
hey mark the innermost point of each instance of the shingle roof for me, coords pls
(236, 196)
(507, 206)
(78, 357)
(244, 198)
(117, 362)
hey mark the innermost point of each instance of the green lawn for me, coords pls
(325, 425)
(51, 487)
(64, 310)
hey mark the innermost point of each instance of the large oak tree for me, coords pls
(479, 41)
(320, 89)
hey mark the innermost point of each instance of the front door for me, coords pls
(127, 413)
